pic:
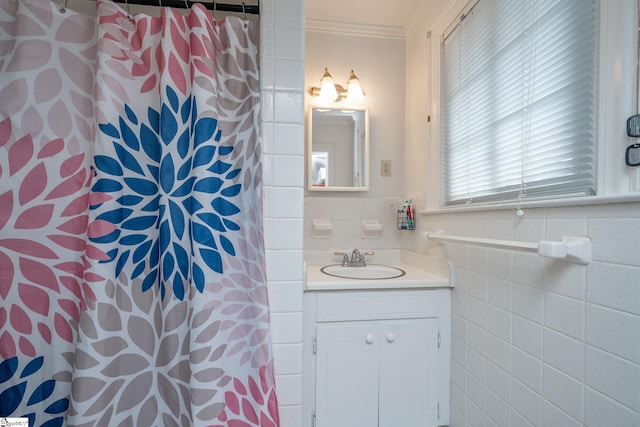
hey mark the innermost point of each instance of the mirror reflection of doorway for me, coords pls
(320, 169)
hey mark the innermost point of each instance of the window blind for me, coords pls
(518, 102)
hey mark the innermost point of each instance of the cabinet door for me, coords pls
(347, 376)
(408, 373)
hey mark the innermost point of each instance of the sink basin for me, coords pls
(371, 271)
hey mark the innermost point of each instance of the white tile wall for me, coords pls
(586, 367)
(282, 78)
(561, 341)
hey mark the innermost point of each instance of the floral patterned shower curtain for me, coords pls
(132, 279)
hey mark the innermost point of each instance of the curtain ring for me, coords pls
(128, 9)
(244, 11)
(186, 4)
(63, 6)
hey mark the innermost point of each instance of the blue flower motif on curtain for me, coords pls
(28, 386)
(173, 195)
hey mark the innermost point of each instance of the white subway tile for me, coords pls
(614, 331)
(287, 359)
(615, 377)
(526, 403)
(288, 13)
(288, 139)
(288, 43)
(614, 210)
(615, 286)
(500, 264)
(475, 415)
(458, 351)
(615, 241)
(286, 233)
(554, 417)
(477, 312)
(477, 392)
(458, 399)
(564, 392)
(527, 369)
(527, 336)
(477, 338)
(498, 410)
(458, 327)
(290, 171)
(285, 265)
(564, 353)
(517, 420)
(499, 352)
(285, 297)
(565, 278)
(499, 323)
(266, 105)
(289, 389)
(459, 303)
(288, 107)
(267, 135)
(564, 315)
(528, 269)
(478, 286)
(531, 227)
(286, 328)
(477, 259)
(458, 376)
(290, 415)
(289, 74)
(477, 365)
(457, 418)
(499, 382)
(287, 202)
(567, 212)
(501, 229)
(599, 410)
(556, 228)
(500, 294)
(528, 302)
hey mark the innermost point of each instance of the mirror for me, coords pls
(338, 149)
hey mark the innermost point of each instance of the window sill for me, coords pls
(565, 202)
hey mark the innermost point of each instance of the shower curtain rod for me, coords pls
(185, 4)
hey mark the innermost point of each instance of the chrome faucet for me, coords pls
(356, 260)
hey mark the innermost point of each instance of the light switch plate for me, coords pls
(385, 168)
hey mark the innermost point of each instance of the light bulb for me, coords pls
(354, 90)
(328, 92)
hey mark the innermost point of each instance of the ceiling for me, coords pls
(388, 13)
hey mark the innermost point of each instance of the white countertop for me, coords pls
(414, 278)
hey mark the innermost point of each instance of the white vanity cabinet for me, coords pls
(377, 358)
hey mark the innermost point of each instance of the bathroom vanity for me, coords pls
(377, 351)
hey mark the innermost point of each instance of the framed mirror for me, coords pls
(338, 149)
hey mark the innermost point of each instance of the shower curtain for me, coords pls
(132, 276)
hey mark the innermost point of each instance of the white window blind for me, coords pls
(518, 101)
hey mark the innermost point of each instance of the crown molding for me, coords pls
(353, 29)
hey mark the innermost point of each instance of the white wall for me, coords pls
(535, 342)
(379, 62)
(282, 79)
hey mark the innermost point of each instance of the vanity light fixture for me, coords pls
(331, 92)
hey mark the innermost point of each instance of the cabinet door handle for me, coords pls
(369, 338)
(390, 337)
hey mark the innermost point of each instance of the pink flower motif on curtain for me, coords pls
(86, 336)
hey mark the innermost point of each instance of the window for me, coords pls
(518, 101)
